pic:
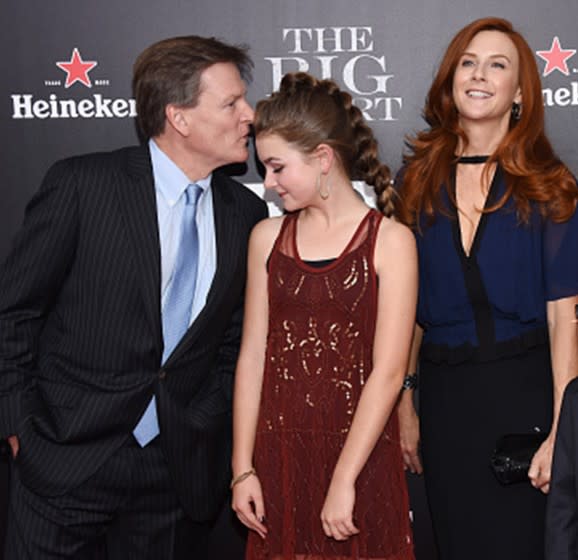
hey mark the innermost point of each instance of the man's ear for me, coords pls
(176, 118)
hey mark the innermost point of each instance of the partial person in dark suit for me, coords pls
(120, 321)
(562, 506)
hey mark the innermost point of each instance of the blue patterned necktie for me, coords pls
(176, 314)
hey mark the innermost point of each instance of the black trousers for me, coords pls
(129, 501)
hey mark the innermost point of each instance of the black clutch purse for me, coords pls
(513, 454)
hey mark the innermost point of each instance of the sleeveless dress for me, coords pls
(485, 369)
(319, 355)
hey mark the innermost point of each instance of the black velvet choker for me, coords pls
(473, 159)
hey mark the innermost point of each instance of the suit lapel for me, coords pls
(138, 205)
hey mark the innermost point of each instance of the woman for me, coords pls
(493, 211)
(314, 394)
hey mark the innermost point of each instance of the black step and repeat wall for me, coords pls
(66, 69)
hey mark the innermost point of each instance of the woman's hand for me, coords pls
(541, 466)
(409, 439)
(337, 512)
(248, 504)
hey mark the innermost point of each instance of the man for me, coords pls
(120, 320)
(562, 507)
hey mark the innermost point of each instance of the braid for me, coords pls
(307, 112)
(296, 82)
(367, 165)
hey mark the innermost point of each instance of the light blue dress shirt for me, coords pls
(170, 185)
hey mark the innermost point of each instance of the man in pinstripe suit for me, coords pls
(83, 331)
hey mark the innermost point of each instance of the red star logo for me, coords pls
(77, 69)
(556, 58)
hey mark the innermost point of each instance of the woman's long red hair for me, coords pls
(533, 172)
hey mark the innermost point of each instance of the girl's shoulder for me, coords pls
(394, 235)
(265, 233)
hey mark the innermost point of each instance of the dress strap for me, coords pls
(375, 219)
(284, 237)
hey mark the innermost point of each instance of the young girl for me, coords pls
(330, 303)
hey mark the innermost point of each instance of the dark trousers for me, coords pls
(129, 500)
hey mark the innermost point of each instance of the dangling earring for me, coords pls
(324, 194)
(516, 111)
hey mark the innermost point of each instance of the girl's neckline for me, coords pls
(334, 260)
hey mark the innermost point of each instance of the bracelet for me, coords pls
(409, 382)
(243, 476)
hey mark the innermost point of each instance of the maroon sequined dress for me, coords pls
(319, 354)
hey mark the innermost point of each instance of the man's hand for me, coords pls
(14, 445)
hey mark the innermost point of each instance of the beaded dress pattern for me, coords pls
(319, 356)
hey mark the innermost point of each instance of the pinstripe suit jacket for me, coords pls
(80, 330)
(562, 506)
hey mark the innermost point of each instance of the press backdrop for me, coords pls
(65, 88)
